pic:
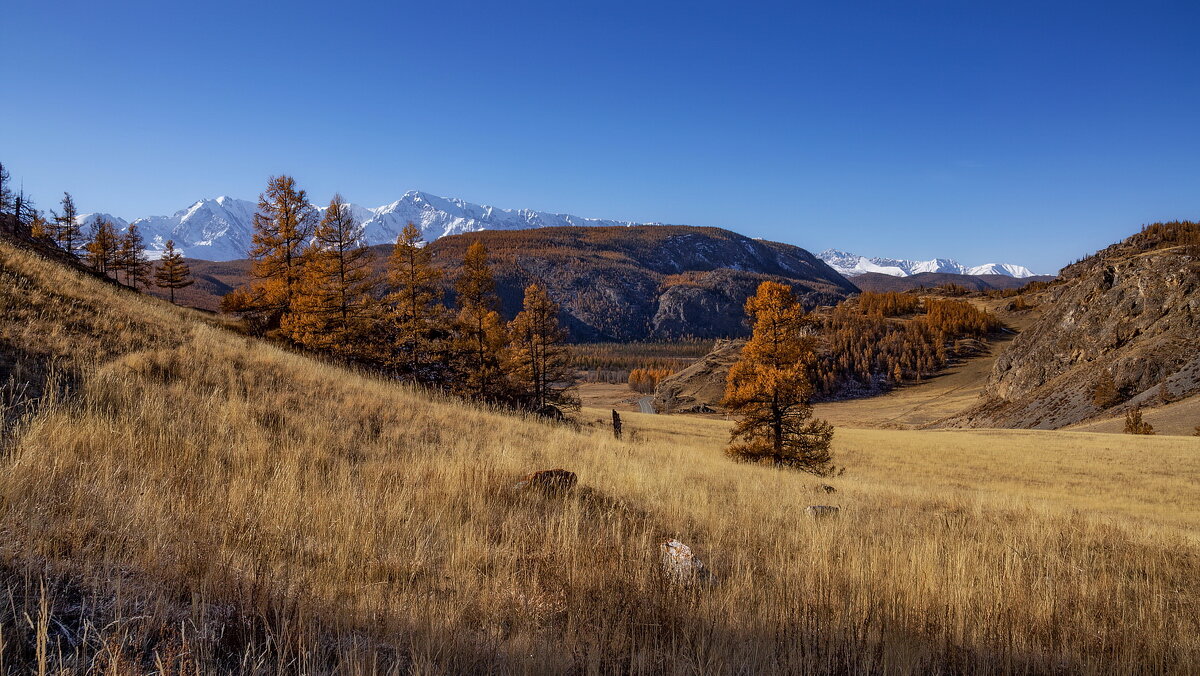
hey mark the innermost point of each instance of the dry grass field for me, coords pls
(185, 500)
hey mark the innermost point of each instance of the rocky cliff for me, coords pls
(645, 282)
(1130, 313)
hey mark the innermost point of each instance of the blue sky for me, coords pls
(986, 131)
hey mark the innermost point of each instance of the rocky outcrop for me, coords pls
(700, 385)
(1130, 312)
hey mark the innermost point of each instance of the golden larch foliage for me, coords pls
(539, 363)
(172, 272)
(481, 339)
(768, 388)
(334, 308)
(418, 317)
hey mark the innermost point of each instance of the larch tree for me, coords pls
(172, 272)
(101, 251)
(6, 191)
(40, 228)
(481, 337)
(540, 365)
(418, 316)
(334, 307)
(768, 389)
(283, 228)
(67, 231)
(131, 258)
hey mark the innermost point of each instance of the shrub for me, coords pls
(1134, 423)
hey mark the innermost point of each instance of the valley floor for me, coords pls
(1140, 481)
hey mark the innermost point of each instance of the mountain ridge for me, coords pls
(850, 265)
(219, 229)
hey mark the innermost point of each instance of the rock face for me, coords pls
(1132, 311)
(701, 385)
(645, 282)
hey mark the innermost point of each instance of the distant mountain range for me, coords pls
(220, 229)
(852, 265)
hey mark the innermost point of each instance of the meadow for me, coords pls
(181, 499)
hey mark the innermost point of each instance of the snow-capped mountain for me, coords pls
(849, 264)
(220, 229)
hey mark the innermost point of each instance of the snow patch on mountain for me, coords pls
(221, 229)
(849, 264)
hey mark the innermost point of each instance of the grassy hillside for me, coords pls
(183, 499)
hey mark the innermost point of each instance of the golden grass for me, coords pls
(206, 503)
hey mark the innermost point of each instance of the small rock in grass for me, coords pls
(682, 566)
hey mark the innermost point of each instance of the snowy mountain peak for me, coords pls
(220, 228)
(849, 264)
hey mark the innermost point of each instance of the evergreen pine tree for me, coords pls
(540, 364)
(768, 388)
(172, 272)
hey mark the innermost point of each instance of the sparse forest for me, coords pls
(315, 287)
(118, 255)
(865, 347)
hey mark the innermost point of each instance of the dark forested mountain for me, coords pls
(879, 282)
(639, 282)
(613, 283)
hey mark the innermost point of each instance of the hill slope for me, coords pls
(1131, 312)
(191, 500)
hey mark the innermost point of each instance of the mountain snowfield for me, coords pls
(849, 265)
(220, 229)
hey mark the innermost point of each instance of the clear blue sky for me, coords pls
(987, 131)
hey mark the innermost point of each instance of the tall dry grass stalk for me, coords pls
(204, 503)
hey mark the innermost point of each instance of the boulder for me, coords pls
(548, 481)
(821, 511)
(681, 566)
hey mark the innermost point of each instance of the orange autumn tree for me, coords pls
(131, 257)
(481, 339)
(101, 251)
(172, 272)
(334, 309)
(283, 226)
(768, 389)
(539, 361)
(418, 317)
